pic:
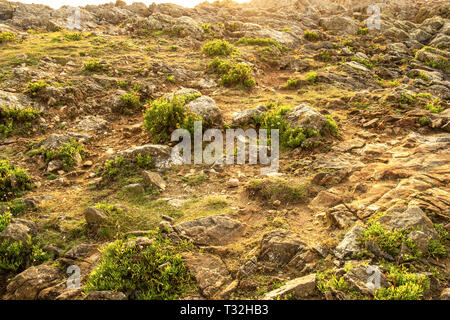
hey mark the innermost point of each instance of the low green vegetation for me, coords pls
(15, 120)
(6, 36)
(13, 181)
(94, 65)
(311, 77)
(33, 88)
(405, 285)
(130, 101)
(119, 169)
(218, 47)
(310, 35)
(328, 281)
(67, 153)
(151, 271)
(16, 256)
(271, 189)
(233, 74)
(363, 31)
(164, 115)
(73, 36)
(293, 137)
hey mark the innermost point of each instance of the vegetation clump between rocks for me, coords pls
(154, 270)
(13, 180)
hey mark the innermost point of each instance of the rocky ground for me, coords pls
(367, 194)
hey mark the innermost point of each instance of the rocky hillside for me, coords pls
(93, 207)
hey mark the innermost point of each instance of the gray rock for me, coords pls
(445, 295)
(209, 271)
(213, 230)
(206, 108)
(134, 188)
(54, 165)
(28, 284)
(94, 215)
(278, 247)
(105, 295)
(412, 218)
(349, 245)
(160, 154)
(303, 116)
(16, 232)
(339, 23)
(92, 123)
(83, 250)
(153, 179)
(246, 116)
(360, 278)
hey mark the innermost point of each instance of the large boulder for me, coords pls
(246, 116)
(214, 230)
(278, 247)
(304, 116)
(412, 218)
(28, 284)
(206, 108)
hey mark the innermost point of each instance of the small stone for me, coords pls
(94, 215)
(153, 179)
(135, 188)
(233, 183)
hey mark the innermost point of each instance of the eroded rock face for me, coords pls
(210, 273)
(278, 247)
(213, 230)
(349, 245)
(28, 284)
(413, 217)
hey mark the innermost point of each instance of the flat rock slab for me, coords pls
(209, 271)
(300, 288)
(214, 230)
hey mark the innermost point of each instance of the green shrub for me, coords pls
(240, 74)
(389, 241)
(67, 153)
(94, 65)
(13, 180)
(12, 120)
(437, 249)
(131, 100)
(363, 31)
(5, 220)
(17, 256)
(310, 35)
(33, 88)
(405, 285)
(424, 121)
(289, 137)
(73, 36)
(311, 77)
(163, 116)
(291, 83)
(6, 36)
(218, 47)
(154, 271)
